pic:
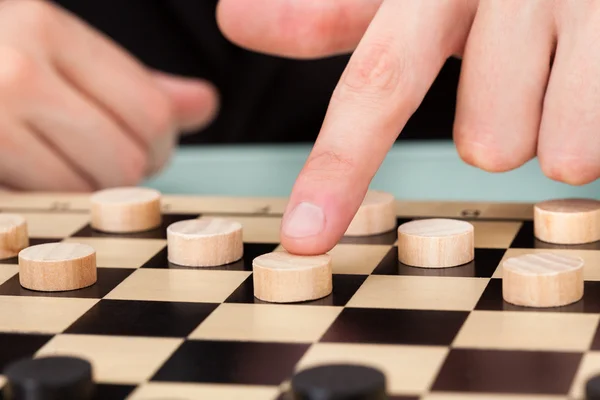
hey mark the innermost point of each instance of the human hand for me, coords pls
(529, 87)
(79, 113)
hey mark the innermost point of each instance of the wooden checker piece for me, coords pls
(376, 215)
(205, 242)
(53, 267)
(567, 221)
(126, 210)
(542, 280)
(436, 243)
(14, 235)
(281, 277)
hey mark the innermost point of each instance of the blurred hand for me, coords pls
(79, 113)
(529, 86)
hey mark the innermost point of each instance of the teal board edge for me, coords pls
(411, 171)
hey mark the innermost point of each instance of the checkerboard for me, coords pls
(154, 330)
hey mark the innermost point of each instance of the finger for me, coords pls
(569, 142)
(84, 134)
(504, 74)
(385, 81)
(195, 101)
(92, 63)
(296, 28)
(28, 163)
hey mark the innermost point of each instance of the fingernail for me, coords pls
(305, 220)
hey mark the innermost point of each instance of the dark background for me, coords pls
(264, 99)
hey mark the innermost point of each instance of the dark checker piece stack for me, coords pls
(154, 330)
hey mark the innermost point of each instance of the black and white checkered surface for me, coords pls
(152, 329)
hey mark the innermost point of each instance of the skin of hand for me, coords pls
(529, 86)
(79, 113)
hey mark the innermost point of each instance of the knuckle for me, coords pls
(161, 153)
(134, 167)
(376, 71)
(485, 152)
(35, 15)
(160, 116)
(10, 143)
(17, 69)
(319, 27)
(328, 165)
(571, 169)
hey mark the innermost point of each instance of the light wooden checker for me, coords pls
(280, 277)
(155, 329)
(57, 267)
(542, 280)
(567, 221)
(436, 243)
(14, 234)
(205, 242)
(376, 215)
(125, 210)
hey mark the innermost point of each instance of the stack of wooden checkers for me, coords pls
(540, 279)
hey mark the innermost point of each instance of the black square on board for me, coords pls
(157, 233)
(287, 395)
(108, 279)
(16, 346)
(506, 371)
(381, 239)
(251, 251)
(595, 345)
(344, 287)
(11, 260)
(525, 239)
(105, 391)
(393, 326)
(232, 362)
(491, 299)
(483, 266)
(142, 318)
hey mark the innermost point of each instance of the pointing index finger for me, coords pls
(385, 80)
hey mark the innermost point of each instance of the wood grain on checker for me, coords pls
(14, 235)
(152, 328)
(205, 242)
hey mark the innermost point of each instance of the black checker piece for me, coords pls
(49, 378)
(592, 388)
(339, 382)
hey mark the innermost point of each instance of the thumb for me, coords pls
(196, 101)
